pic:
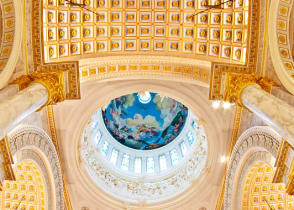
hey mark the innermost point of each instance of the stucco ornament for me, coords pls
(29, 142)
(130, 186)
(257, 144)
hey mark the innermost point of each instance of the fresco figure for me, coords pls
(144, 126)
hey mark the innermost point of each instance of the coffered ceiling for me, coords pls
(163, 27)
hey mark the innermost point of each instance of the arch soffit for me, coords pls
(182, 94)
(146, 67)
(11, 38)
(32, 143)
(257, 144)
(279, 37)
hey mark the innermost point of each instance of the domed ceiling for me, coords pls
(145, 121)
(143, 146)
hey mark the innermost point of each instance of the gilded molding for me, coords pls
(52, 127)
(53, 81)
(235, 84)
(290, 182)
(218, 69)
(281, 162)
(72, 68)
(7, 159)
(234, 136)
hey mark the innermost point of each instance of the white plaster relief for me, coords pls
(24, 140)
(142, 188)
(254, 145)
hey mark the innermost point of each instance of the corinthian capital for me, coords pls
(53, 81)
(235, 84)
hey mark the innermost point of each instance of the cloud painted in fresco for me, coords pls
(144, 126)
(139, 121)
(161, 104)
(129, 101)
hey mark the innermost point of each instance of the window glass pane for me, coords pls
(114, 156)
(162, 162)
(194, 124)
(174, 156)
(98, 137)
(104, 148)
(138, 165)
(190, 137)
(125, 162)
(183, 148)
(150, 165)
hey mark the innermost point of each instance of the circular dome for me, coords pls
(145, 121)
(136, 173)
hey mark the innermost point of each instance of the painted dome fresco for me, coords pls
(144, 121)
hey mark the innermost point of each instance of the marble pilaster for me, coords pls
(271, 109)
(15, 108)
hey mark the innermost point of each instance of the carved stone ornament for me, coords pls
(236, 83)
(53, 81)
(289, 175)
(281, 162)
(257, 144)
(30, 142)
(7, 160)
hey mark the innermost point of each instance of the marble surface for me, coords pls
(275, 112)
(17, 107)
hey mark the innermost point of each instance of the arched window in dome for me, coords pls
(105, 147)
(183, 148)
(190, 137)
(174, 156)
(98, 137)
(114, 156)
(162, 162)
(138, 165)
(125, 162)
(150, 165)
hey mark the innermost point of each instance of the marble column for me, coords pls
(15, 108)
(275, 112)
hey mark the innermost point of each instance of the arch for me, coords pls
(32, 143)
(11, 39)
(279, 40)
(257, 144)
(28, 191)
(259, 191)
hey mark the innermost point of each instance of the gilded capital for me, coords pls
(53, 81)
(235, 84)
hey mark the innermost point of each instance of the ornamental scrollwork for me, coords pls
(254, 142)
(235, 84)
(26, 138)
(53, 81)
(141, 189)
